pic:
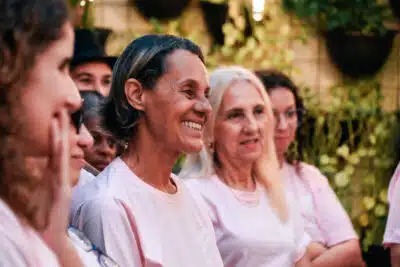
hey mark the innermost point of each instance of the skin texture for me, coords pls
(285, 129)
(93, 76)
(346, 254)
(104, 148)
(395, 255)
(48, 89)
(179, 96)
(238, 133)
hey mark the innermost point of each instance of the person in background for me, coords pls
(237, 173)
(91, 67)
(106, 147)
(38, 98)
(136, 210)
(334, 241)
(391, 238)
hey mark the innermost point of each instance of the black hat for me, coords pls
(89, 46)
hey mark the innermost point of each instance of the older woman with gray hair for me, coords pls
(136, 210)
(237, 173)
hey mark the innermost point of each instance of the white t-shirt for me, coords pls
(138, 225)
(392, 230)
(84, 178)
(325, 219)
(249, 232)
(20, 245)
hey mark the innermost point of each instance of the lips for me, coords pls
(79, 160)
(249, 141)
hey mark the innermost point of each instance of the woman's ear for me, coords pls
(134, 94)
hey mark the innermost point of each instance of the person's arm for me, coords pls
(315, 250)
(303, 262)
(346, 254)
(336, 227)
(395, 255)
(106, 223)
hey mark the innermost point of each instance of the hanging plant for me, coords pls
(353, 141)
(395, 4)
(160, 9)
(355, 31)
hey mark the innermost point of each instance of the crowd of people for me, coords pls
(88, 143)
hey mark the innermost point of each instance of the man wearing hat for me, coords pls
(91, 67)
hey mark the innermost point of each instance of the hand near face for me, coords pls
(56, 181)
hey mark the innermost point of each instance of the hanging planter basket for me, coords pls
(161, 9)
(395, 4)
(215, 16)
(358, 55)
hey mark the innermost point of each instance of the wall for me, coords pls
(311, 60)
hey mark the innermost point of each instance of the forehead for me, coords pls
(282, 98)
(183, 65)
(241, 94)
(93, 68)
(60, 49)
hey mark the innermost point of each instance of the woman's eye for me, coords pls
(291, 113)
(259, 111)
(234, 115)
(189, 93)
(87, 81)
(107, 82)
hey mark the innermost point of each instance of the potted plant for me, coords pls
(160, 9)
(215, 13)
(395, 4)
(357, 40)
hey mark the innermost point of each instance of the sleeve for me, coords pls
(106, 223)
(392, 231)
(332, 218)
(393, 183)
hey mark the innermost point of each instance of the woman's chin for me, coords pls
(192, 147)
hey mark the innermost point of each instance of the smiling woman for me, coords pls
(238, 177)
(138, 214)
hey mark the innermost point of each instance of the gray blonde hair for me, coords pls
(204, 163)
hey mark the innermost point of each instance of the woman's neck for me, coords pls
(144, 152)
(237, 177)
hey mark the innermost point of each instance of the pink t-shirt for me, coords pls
(392, 231)
(138, 225)
(20, 245)
(325, 219)
(249, 233)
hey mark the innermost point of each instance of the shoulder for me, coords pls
(312, 174)
(394, 181)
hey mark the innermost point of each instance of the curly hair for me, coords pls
(27, 29)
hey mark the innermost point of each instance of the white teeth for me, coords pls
(193, 125)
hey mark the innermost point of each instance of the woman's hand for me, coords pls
(56, 181)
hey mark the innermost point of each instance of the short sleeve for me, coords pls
(392, 231)
(332, 218)
(394, 181)
(107, 224)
